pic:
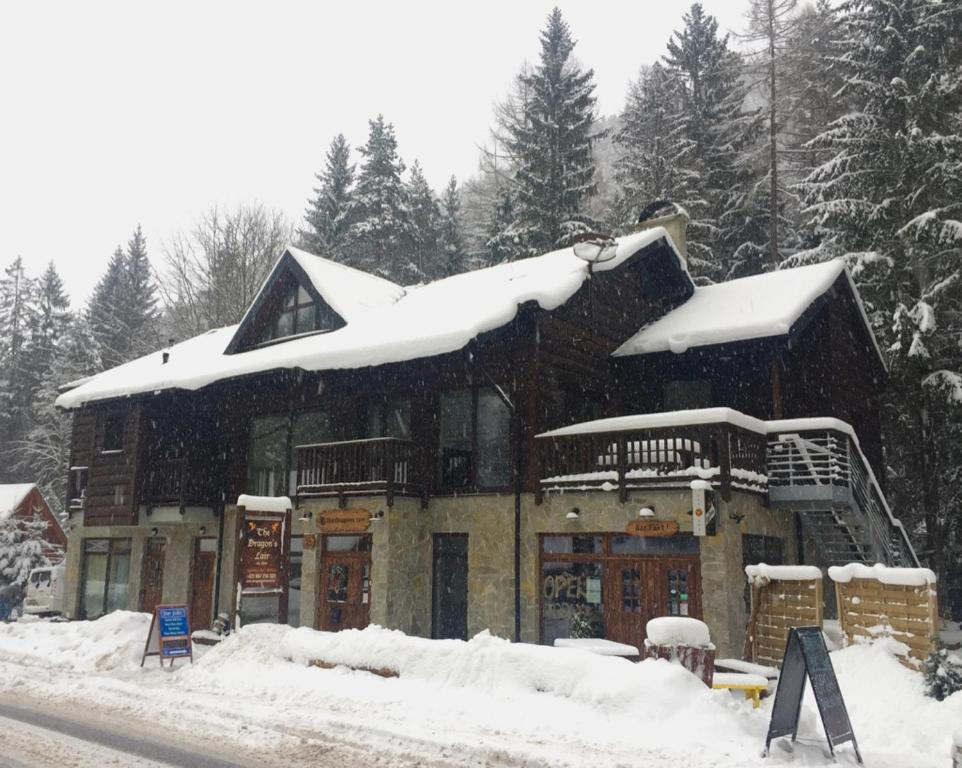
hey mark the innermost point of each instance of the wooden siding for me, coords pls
(112, 476)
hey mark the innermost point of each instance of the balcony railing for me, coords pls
(176, 482)
(635, 455)
(387, 465)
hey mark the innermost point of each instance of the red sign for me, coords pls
(261, 554)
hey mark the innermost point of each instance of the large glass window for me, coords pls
(105, 576)
(309, 427)
(298, 313)
(267, 456)
(571, 599)
(475, 439)
(390, 418)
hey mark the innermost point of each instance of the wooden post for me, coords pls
(389, 469)
(725, 462)
(622, 448)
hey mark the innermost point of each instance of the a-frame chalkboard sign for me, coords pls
(806, 655)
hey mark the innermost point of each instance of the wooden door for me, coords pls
(152, 574)
(640, 589)
(202, 583)
(345, 594)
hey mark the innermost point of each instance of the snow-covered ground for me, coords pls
(481, 702)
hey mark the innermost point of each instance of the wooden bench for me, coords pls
(752, 685)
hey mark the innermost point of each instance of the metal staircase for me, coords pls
(823, 475)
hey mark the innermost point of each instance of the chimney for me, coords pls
(671, 216)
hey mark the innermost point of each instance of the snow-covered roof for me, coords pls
(385, 323)
(753, 307)
(10, 497)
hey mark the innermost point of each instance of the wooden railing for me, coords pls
(176, 482)
(386, 465)
(724, 454)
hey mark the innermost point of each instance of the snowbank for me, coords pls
(905, 577)
(264, 503)
(762, 573)
(115, 641)
(678, 630)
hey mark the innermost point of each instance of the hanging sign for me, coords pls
(169, 634)
(651, 528)
(261, 553)
(343, 520)
(699, 520)
(807, 656)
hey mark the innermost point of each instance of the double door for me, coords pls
(639, 589)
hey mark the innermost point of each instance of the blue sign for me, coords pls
(173, 621)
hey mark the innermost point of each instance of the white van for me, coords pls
(44, 591)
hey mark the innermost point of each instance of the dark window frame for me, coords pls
(472, 486)
(114, 546)
(114, 431)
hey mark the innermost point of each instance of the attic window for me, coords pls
(298, 314)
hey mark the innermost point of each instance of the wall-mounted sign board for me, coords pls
(343, 520)
(261, 549)
(169, 634)
(651, 528)
(807, 657)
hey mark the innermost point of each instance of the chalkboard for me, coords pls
(169, 634)
(807, 656)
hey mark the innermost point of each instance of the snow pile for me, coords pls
(264, 503)
(762, 574)
(496, 666)
(905, 577)
(113, 642)
(678, 630)
(422, 321)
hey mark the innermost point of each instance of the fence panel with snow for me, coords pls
(783, 596)
(877, 601)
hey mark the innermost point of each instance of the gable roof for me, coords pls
(385, 323)
(756, 307)
(11, 496)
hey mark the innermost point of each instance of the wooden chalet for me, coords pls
(509, 449)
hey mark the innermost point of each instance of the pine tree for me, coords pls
(21, 549)
(18, 320)
(712, 130)
(503, 243)
(890, 197)
(549, 138)
(381, 234)
(645, 167)
(139, 301)
(104, 312)
(450, 242)
(425, 223)
(328, 215)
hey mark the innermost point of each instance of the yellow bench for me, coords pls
(752, 685)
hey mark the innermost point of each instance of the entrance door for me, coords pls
(344, 601)
(202, 583)
(152, 574)
(449, 615)
(639, 589)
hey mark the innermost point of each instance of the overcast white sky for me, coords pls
(115, 113)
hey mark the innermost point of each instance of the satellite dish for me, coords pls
(596, 248)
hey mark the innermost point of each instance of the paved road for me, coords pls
(36, 739)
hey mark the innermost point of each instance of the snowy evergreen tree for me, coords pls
(451, 254)
(21, 549)
(104, 312)
(890, 197)
(18, 321)
(381, 234)
(549, 139)
(328, 215)
(645, 167)
(425, 224)
(503, 243)
(139, 305)
(717, 182)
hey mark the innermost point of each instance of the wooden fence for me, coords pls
(782, 597)
(872, 604)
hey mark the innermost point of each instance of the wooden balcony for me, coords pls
(635, 455)
(176, 482)
(380, 465)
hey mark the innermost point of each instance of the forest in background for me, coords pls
(819, 131)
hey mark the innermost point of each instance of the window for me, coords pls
(105, 576)
(298, 313)
(390, 418)
(78, 484)
(683, 395)
(475, 442)
(571, 598)
(113, 432)
(309, 427)
(267, 456)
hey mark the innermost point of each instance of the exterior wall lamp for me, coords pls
(574, 514)
(306, 515)
(379, 515)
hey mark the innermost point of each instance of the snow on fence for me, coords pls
(783, 596)
(878, 601)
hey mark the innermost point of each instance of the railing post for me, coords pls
(622, 448)
(389, 469)
(725, 462)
